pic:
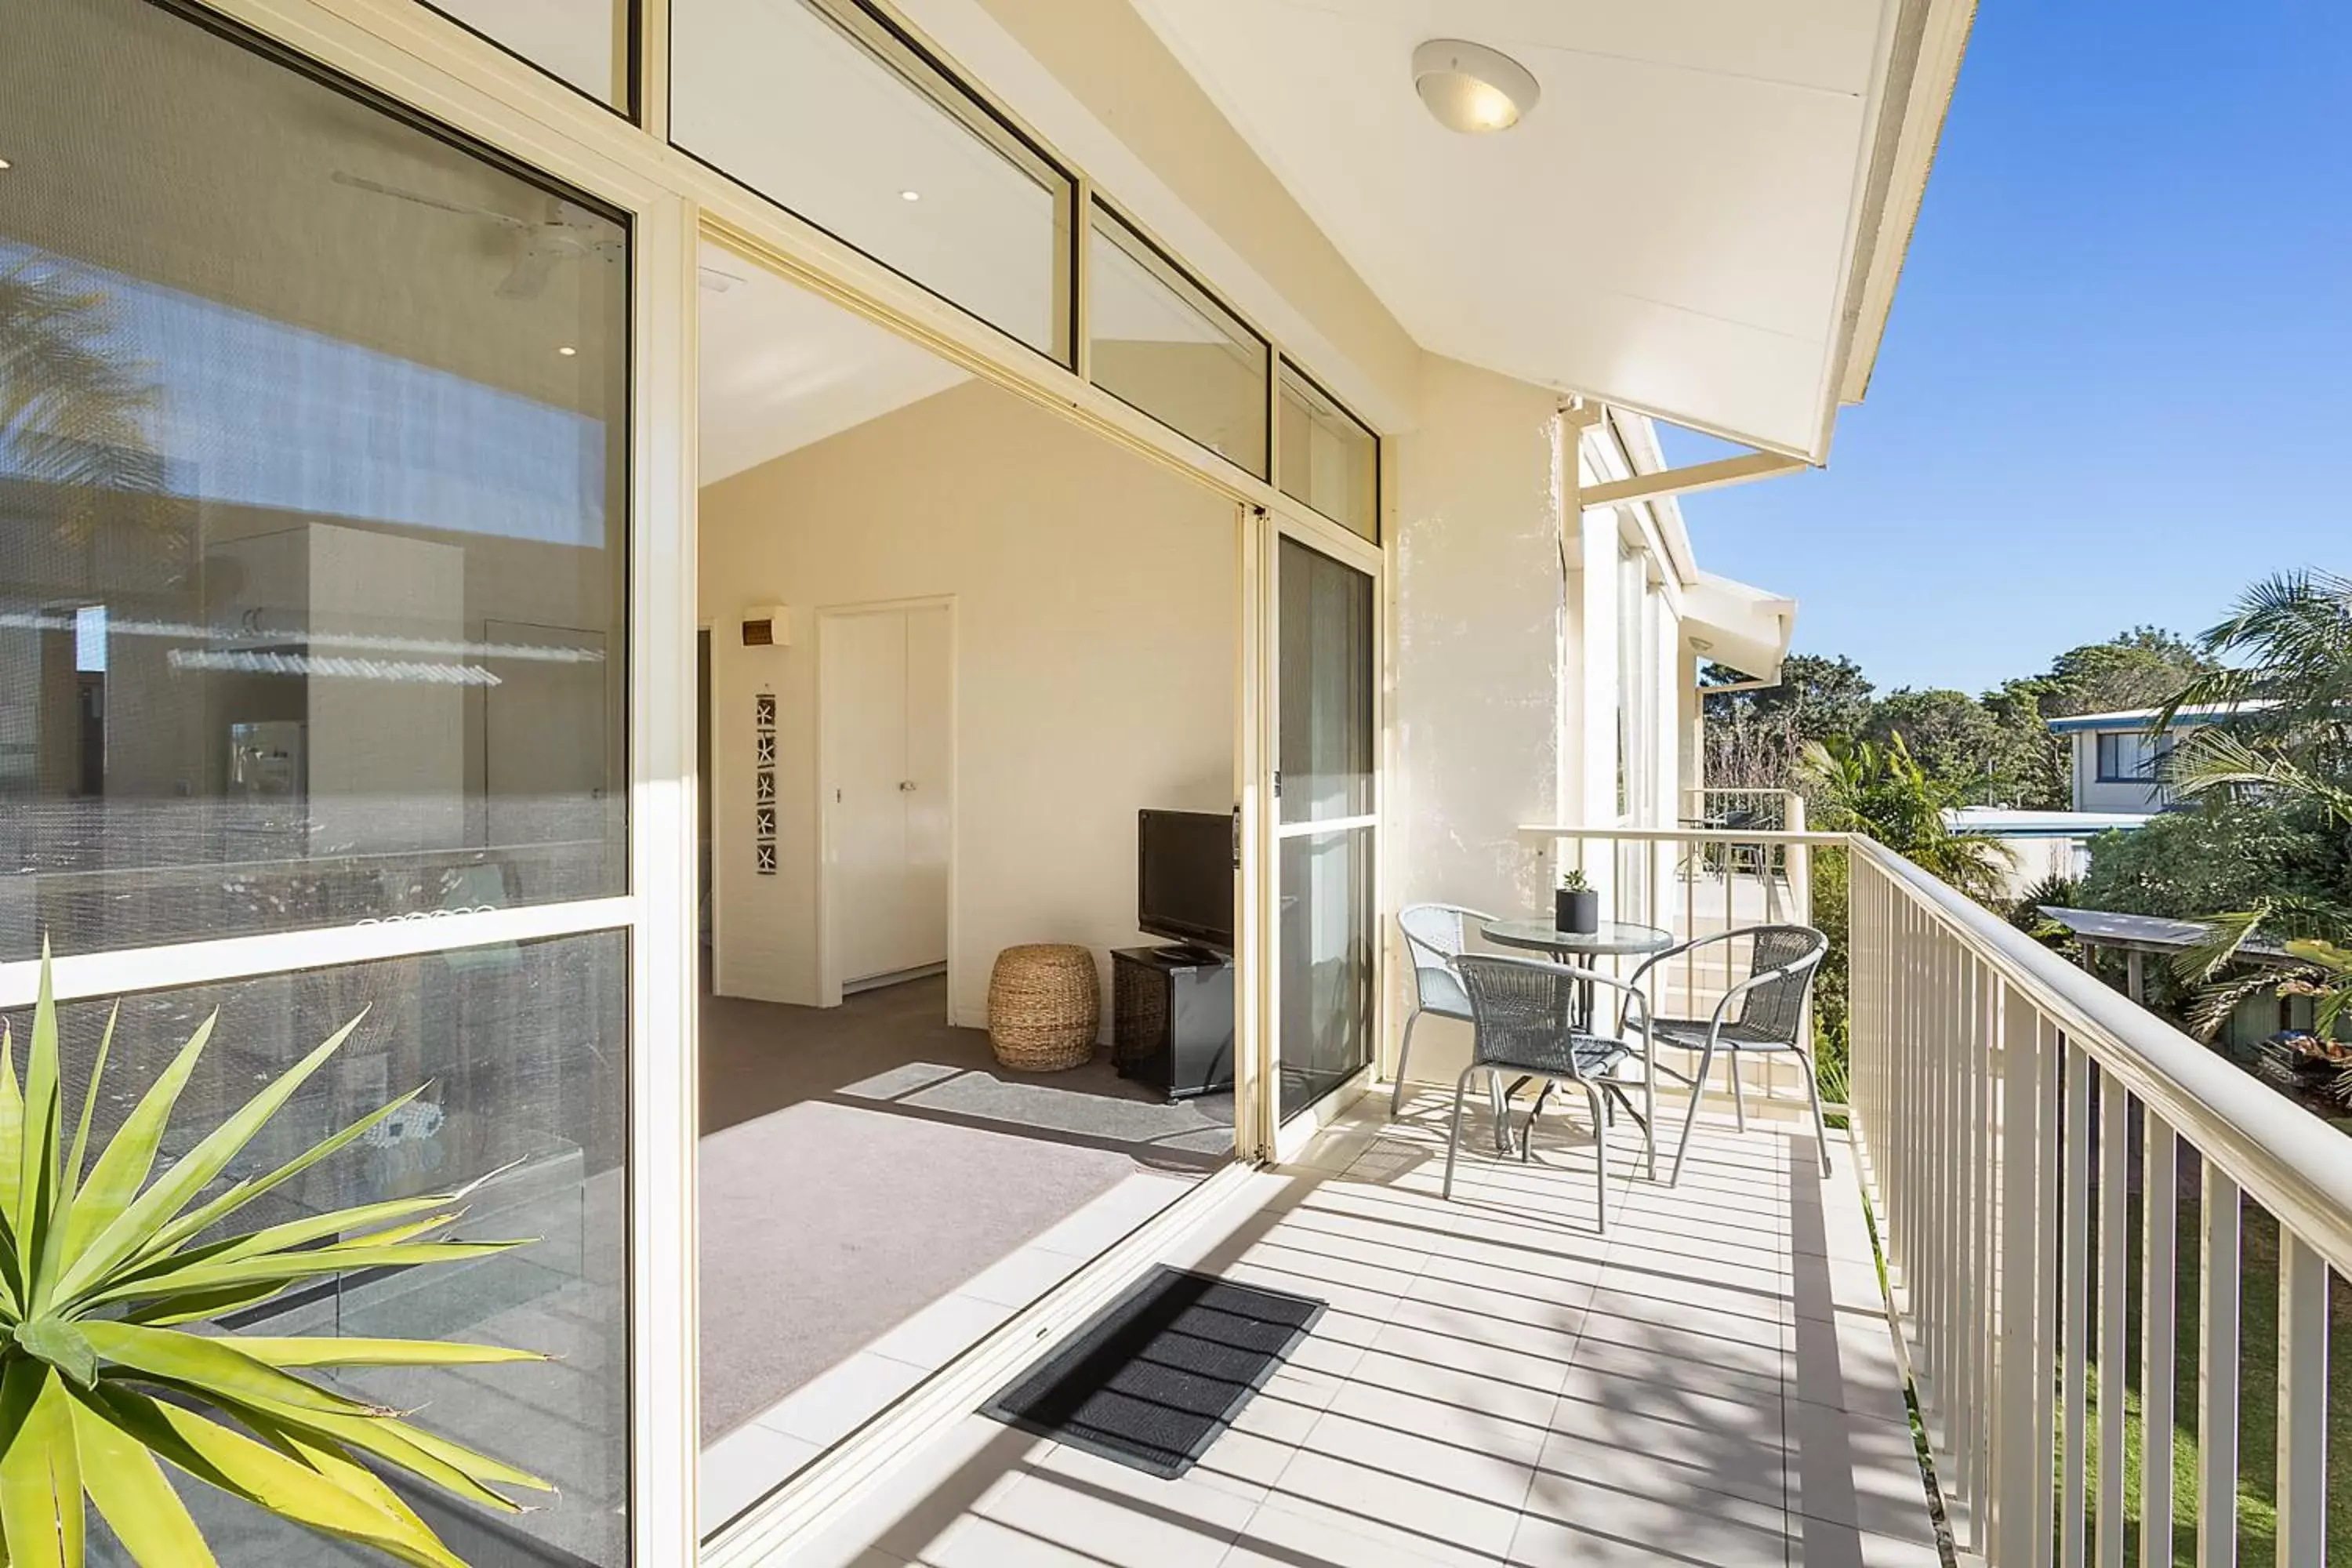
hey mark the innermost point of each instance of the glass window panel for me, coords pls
(1325, 687)
(524, 1050)
(839, 120)
(1327, 963)
(1159, 341)
(314, 521)
(1328, 460)
(583, 42)
(1326, 929)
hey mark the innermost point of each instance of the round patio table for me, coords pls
(1613, 939)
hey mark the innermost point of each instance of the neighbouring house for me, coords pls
(2042, 844)
(2117, 759)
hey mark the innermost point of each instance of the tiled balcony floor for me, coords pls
(1713, 1385)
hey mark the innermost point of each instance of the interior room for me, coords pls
(969, 726)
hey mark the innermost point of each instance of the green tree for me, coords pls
(1856, 787)
(2289, 638)
(2142, 668)
(76, 412)
(1755, 738)
(1954, 737)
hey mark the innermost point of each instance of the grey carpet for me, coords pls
(894, 1043)
(824, 1226)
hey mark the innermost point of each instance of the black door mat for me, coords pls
(1156, 1376)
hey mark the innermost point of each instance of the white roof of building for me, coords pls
(2140, 717)
(2001, 821)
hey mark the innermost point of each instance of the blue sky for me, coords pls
(2117, 384)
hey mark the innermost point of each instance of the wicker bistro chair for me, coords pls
(1435, 934)
(1764, 1012)
(1522, 1011)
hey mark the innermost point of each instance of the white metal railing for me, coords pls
(1694, 881)
(2012, 1114)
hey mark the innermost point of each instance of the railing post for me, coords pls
(2216, 1374)
(2074, 1242)
(2302, 1391)
(2114, 1232)
(2160, 1186)
(2021, 1436)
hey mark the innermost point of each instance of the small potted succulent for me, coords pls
(1576, 907)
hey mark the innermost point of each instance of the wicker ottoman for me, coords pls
(1044, 1007)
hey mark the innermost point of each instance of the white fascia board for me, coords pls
(1925, 42)
(1745, 627)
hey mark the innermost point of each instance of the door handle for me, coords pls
(905, 786)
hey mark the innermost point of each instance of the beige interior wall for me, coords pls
(1478, 657)
(1095, 606)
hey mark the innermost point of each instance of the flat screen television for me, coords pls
(1184, 877)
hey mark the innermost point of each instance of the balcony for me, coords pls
(1729, 1376)
(1715, 1383)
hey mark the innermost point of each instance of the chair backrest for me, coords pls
(1519, 1009)
(1435, 934)
(1776, 1009)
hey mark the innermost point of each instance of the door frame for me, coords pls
(828, 941)
(1268, 527)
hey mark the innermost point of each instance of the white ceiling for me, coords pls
(1669, 229)
(781, 368)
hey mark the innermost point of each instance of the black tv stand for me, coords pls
(1172, 1019)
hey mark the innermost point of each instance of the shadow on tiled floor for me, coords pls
(1712, 1385)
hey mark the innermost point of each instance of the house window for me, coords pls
(1161, 342)
(314, 523)
(1329, 459)
(2119, 759)
(829, 111)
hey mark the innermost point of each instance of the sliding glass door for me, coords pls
(1325, 931)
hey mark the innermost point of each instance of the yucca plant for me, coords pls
(108, 1281)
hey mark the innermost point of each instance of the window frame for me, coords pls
(895, 49)
(1285, 365)
(1179, 280)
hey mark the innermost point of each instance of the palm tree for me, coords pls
(2290, 684)
(2318, 931)
(76, 414)
(1858, 787)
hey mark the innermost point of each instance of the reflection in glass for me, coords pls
(1329, 461)
(1325, 926)
(1326, 746)
(820, 108)
(525, 1048)
(1159, 341)
(583, 42)
(1328, 963)
(312, 513)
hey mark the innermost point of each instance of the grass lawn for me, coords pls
(2257, 1394)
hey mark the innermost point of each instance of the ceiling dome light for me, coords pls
(1471, 88)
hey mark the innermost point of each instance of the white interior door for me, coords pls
(927, 795)
(885, 737)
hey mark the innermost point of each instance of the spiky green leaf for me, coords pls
(122, 1167)
(327, 1349)
(60, 1344)
(208, 1366)
(36, 1164)
(281, 1267)
(212, 1212)
(133, 1496)
(262, 1475)
(41, 1470)
(176, 1187)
